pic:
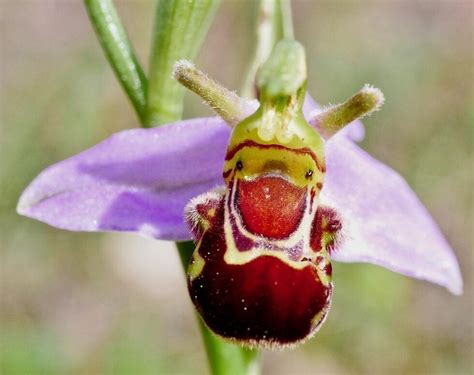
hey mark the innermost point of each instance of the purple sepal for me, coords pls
(137, 180)
(384, 222)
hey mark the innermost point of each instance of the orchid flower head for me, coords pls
(273, 192)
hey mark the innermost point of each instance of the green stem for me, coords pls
(180, 28)
(285, 19)
(119, 52)
(224, 358)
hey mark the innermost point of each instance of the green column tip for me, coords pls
(284, 73)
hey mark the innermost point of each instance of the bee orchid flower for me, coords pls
(143, 181)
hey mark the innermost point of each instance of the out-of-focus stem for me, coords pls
(224, 358)
(286, 19)
(116, 45)
(180, 28)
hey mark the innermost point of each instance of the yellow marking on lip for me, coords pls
(233, 256)
(319, 318)
(196, 265)
(257, 161)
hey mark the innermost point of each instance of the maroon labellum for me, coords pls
(261, 271)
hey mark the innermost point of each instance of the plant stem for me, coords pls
(180, 28)
(116, 45)
(224, 358)
(285, 19)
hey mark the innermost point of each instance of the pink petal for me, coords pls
(136, 180)
(384, 221)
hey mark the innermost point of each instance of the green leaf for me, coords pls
(119, 52)
(180, 28)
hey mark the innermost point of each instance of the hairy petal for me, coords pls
(384, 222)
(137, 180)
(354, 131)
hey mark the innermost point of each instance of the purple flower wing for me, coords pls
(137, 180)
(384, 221)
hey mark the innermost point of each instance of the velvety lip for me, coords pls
(270, 206)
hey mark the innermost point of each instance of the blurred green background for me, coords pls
(117, 303)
